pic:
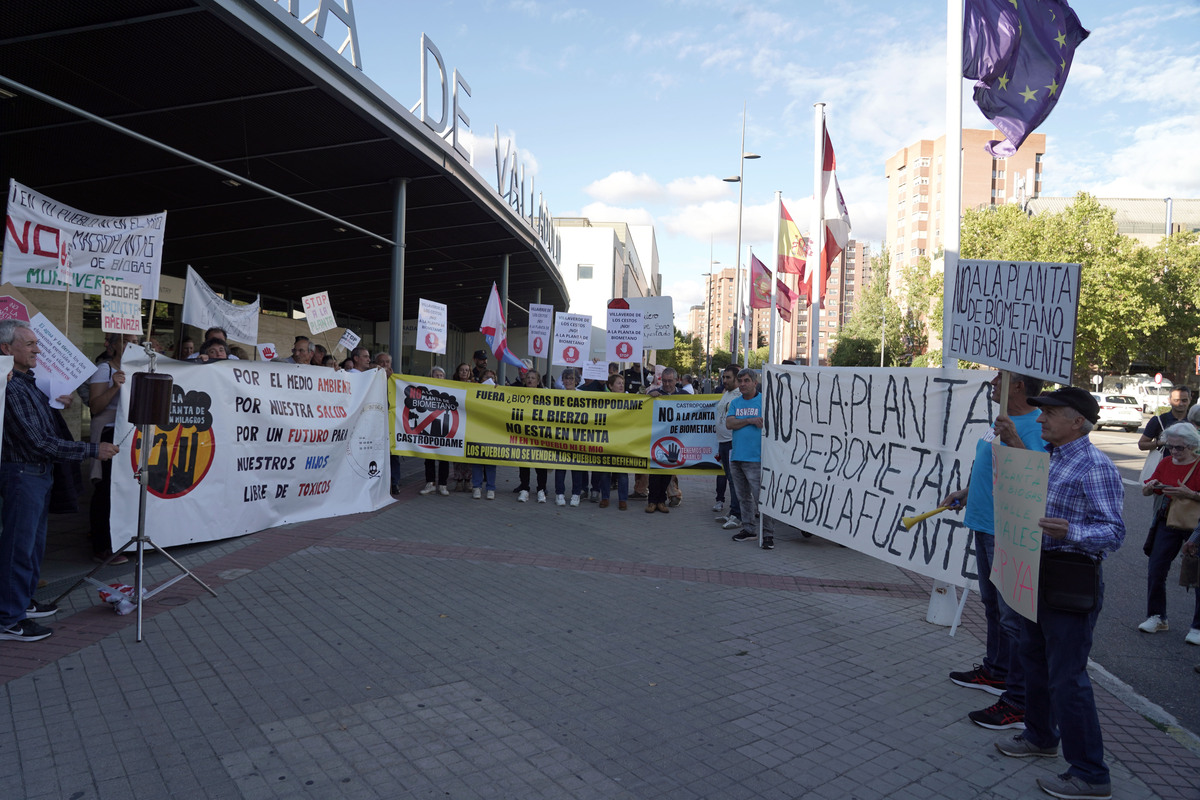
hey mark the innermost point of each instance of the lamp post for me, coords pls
(737, 292)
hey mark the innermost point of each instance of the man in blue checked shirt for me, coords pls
(1083, 515)
(31, 446)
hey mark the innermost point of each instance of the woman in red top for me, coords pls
(1175, 477)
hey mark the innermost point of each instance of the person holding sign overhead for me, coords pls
(1084, 500)
(1000, 673)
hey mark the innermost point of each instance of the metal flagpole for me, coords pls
(818, 236)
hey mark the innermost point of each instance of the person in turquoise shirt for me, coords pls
(1000, 673)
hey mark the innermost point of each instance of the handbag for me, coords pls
(1189, 571)
(1184, 513)
(1069, 581)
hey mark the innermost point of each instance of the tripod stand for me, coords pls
(149, 406)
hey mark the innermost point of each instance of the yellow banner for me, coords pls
(512, 425)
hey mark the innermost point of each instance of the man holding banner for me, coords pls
(1000, 673)
(1083, 516)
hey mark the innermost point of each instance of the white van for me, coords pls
(1151, 396)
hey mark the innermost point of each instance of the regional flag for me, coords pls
(760, 284)
(495, 331)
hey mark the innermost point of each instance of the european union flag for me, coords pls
(1019, 53)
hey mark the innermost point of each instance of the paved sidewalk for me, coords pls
(452, 648)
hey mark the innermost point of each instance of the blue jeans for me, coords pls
(25, 498)
(1001, 655)
(723, 451)
(1060, 704)
(606, 485)
(1167, 542)
(479, 472)
(578, 481)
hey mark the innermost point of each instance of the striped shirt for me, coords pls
(31, 430)
(1085, 489)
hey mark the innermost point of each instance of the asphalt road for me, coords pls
(1158, 666)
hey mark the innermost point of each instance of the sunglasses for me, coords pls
(1178, 448)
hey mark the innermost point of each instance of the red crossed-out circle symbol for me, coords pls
(417, 423)
(624, 350)
(663, 450)
(571, 354)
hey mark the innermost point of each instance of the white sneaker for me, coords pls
(491, 495)
(429, 489)
(443, 491)
(1153, 624)
(476, 493)
(1193, 636)
(541, 496)
(595, 496)
(722, 519)
(574, 501)
(718, 507)
(523, 496)
(731, 523)
(560, 500)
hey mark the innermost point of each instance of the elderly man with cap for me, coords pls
(1084, 498)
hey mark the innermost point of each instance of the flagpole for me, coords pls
(952, 205)
(818, 236)
(775, 277)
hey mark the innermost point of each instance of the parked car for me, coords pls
(1119, 411)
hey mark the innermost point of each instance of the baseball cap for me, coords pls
(480, 354)
(1072, 397)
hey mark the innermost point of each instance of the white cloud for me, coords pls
(603, 212)
(698, 189)
(1161, 160)
(624, 187)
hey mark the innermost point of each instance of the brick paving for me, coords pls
(452, 648)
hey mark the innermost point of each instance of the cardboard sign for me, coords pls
(1015, 315)
(1019, 480)
(626, 333)
(349, 340)
(267, 351)
(61, 368)
(572, 339)
(120, 307)
(658, 322)
(595, 370)
(540, 316)
(318, 312)
(431, 327)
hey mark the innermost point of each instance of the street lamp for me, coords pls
(737, 312)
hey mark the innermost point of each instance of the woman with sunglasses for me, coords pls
(1175, 477)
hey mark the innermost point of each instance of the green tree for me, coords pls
(687, 356)
(877, 316)
(1175, 262)
(851, 351)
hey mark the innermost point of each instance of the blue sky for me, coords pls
(632, 111)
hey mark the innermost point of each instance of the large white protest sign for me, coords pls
(658, 322)
(120, 307)
(849, 452)
(572, 339)
(319, 312)
(595, 370)
(204, 309)
(252, 445)
(6, 365)
(540, 316)
(1015, 315)
(61, 368)
(1018, 502)
(625, 335)
(431, 327)
(43, 236)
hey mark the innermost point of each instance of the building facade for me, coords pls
(1146, 220)
(916, 189)
(849, 275)
(604, 260)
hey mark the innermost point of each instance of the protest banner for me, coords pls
(203, 308)
(658, 321)
(318, 312)
(43, 236)
(267, 351)
(431, 327)
(625, 335)
(349, 340)
(61, 368)
(6, 365)
(540, 316)
(506, 425)
(120, 307)
(1014, 315)
(849, 452)
(1019, 480)
(572, 339)
(252, 445)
